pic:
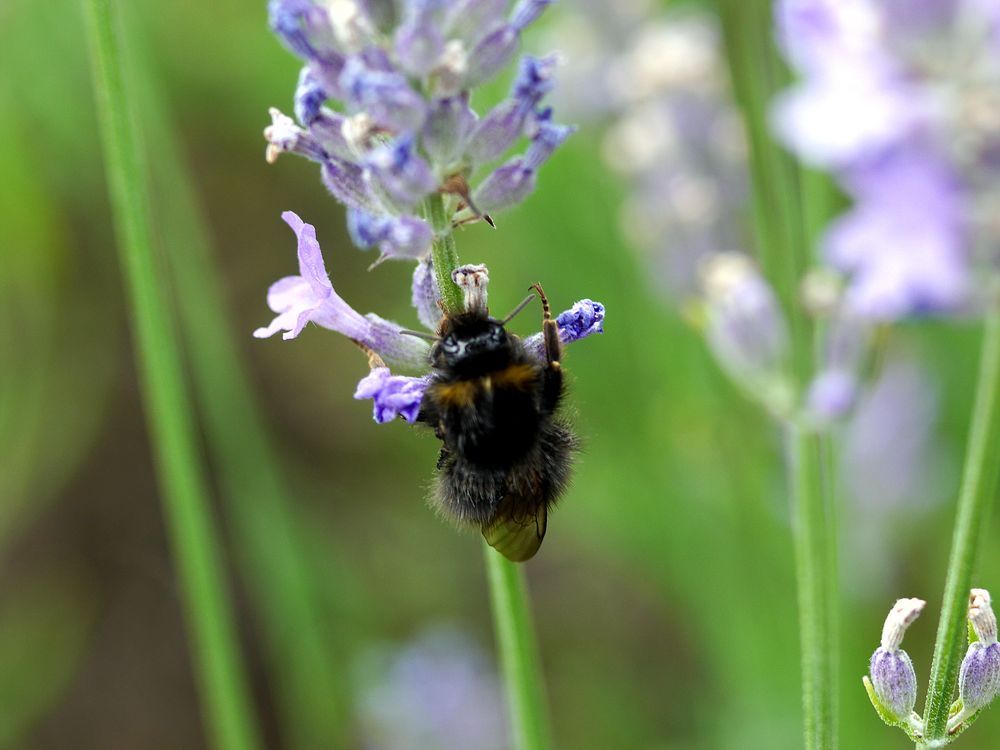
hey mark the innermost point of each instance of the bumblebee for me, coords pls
(506, 455)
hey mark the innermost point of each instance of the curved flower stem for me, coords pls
(444, 253)
(815, 562)
(508, 592)
(184, 489)
(518, 653)
(979, 482)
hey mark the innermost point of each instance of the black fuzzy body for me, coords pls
(506, 455)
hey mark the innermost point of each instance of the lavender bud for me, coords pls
(309, 97)
(405, 176)
(470, 20)
(384, 94)
(892, 674)
(419, 46)
(424, 294)
(746, 329)
(346, 183)
(979, 677)
(302, 25)
(447, 129)
(491, 54)
(527, 12)
(473, 280)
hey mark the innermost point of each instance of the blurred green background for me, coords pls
(664, 596)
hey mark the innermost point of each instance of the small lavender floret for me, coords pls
(347, 183)
(424, 294)
(310, 298)
(402, 173)
(309, 97)
(384, 94)
(406, 237)
(393, 395)
(832, 394)
(449, 126)
(503, 125)
(584, 318)
(302, 25)
(527, 12)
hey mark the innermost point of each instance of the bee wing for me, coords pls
(517, 536)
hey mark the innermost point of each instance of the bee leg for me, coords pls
(553, 382)
(550, 331)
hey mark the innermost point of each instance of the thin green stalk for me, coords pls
(789, 207)
(301, 646)
(518, 653)
(184, 490)
(508, 592)
(979, 483)
(814, 556)
(444, 253)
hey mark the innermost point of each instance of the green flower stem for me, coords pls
(979, 483)
(789, 208)
(444, 253)
(815, 563)
(508, 592)
(184, 489)
(518, 653)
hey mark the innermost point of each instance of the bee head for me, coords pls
(471, 343)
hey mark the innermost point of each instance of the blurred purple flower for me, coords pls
(438, 692)
(899, 101)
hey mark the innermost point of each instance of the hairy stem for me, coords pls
(518, 653)
(444, 253)
(183, 486)
(979, 482)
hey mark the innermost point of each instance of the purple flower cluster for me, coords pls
(402, 137)
(899, 101)
(402, 74)
(309, 297)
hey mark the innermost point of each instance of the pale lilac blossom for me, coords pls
(899, 101)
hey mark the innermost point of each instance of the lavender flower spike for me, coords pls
(310, 297)
(893, 683)
(979, 676)
(393, 395)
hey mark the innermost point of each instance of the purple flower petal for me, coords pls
(447, 129)
(310, 297)
(404, 175)
(425, 295)
(393, 395)
(384, 94)
(586, 317)
(405, 237)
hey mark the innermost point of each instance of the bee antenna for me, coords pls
(524, 303)
(420, 335)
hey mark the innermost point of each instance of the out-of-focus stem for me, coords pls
(815, 564)
(196, 544)
(979, 483)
